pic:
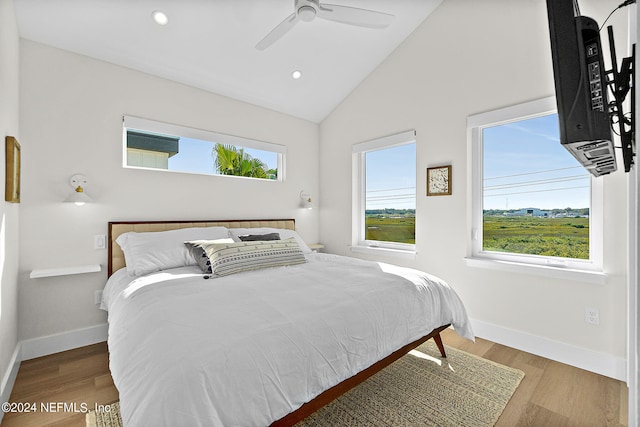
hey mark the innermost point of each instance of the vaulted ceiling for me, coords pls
(210, 44)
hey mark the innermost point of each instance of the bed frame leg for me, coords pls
(438, 341)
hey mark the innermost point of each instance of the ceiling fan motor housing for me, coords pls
(306, 10)
(306, 13)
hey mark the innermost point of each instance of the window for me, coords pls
(532, 202)
(384, 213)
(154, 145)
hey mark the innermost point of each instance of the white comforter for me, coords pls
(247, 349)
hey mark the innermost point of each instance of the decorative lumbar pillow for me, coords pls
(160, 250)
(284, 234)
(198, 254)
(231, 258)
(259, 237)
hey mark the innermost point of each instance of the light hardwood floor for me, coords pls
(551, 394)
(73, 377)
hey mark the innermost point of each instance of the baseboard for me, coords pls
(64, 341)
(9, 377)
(583, 358)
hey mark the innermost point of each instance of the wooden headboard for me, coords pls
(116, 228)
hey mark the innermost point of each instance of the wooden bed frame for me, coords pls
(339, 389)
(116, 261)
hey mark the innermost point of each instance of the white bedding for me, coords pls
(247, 349)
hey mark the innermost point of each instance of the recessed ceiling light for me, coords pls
(160, 17)
(296, 74)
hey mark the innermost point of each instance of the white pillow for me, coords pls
(284, 234)
(153, 251)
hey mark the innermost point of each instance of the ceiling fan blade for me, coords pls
(354, 16)
(278, 32)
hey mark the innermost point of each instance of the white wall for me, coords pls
(71, 122)
(463, 60)
(9, 122)
(469, 57)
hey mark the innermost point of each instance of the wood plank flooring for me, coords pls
(79, 376)
(551, 394)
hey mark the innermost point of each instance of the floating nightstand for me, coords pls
(65, 271)
(316, 247)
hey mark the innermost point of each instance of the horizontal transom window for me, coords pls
(149, 144)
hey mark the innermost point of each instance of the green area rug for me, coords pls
(419, 389)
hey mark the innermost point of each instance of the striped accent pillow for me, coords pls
(231, 258)
(198, 254)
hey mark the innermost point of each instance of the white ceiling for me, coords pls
(210, 44)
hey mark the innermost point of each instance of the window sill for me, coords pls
(585, 276)
(397, 253)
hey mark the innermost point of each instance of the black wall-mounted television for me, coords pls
(581, 87)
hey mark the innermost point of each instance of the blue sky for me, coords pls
(391, 178)
(525, 166)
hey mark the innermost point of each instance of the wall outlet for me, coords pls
(97, 298)
(592, 315)
(99, 241)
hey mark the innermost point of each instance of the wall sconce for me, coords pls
(305, 200)
(79, 197)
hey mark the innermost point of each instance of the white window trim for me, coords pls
(547, 265)
(137, 123)
(359, 244)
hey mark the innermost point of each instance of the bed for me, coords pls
(240, 341)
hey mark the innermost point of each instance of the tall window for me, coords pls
(385, 192)
(532, 201)
(155, 145)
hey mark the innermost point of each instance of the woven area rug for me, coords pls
(108, 417)
(423, 389)
(419, 389)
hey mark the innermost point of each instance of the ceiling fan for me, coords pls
(308, 10)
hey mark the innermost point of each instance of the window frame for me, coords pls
(359, 151)
(475, 126)
(153, 126)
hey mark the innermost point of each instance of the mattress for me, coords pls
(247, 349)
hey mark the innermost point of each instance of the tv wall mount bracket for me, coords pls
(621, 82)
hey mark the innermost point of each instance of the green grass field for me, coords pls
(560, 237)
(401, 229)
